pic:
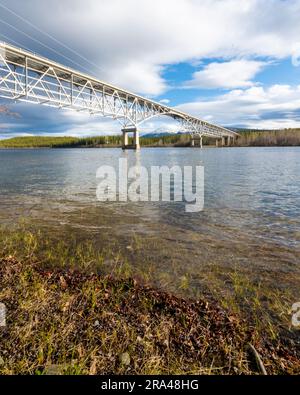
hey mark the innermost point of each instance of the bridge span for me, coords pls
(25, 76)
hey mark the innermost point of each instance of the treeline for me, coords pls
(171, 140)
(101, 141)
(248, 138)
(59, 142)
(264, 138)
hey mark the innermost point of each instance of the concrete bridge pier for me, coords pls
(230, 141)
(136, 139)
(198, 139)
(227, 141)
(124, 139)
(219, 142)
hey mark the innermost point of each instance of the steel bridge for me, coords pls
(25, 76)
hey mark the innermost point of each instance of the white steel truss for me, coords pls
(25, 76)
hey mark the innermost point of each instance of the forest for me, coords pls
(247, 138)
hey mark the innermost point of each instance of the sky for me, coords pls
(235, 63)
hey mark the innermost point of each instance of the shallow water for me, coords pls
(251, 214)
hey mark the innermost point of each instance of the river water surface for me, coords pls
(250, 222)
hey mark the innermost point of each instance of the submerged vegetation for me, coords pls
(67, 312)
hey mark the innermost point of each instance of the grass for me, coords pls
(68, 314)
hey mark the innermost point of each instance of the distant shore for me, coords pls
(247, 138)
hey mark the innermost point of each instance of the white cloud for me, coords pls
(66, 122)
(277, 106)
(255, 107)
(128, 43)
(233, 74)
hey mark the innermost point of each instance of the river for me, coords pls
(250, 221)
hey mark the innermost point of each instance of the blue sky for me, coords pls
(231, 62)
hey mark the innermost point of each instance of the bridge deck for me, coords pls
(29, 77)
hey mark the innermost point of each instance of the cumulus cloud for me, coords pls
(233, 74)
(129, 43)
(43, 120)
(255, 107)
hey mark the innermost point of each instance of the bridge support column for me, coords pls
(223, 141)
(124, 139)
(197, 141)
(136, 139)
(217, 142)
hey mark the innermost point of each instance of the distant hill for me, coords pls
(161, 134)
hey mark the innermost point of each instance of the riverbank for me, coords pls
(63, 316)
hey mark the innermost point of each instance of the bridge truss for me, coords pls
(25, 76)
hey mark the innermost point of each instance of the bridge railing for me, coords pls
(28, 77)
